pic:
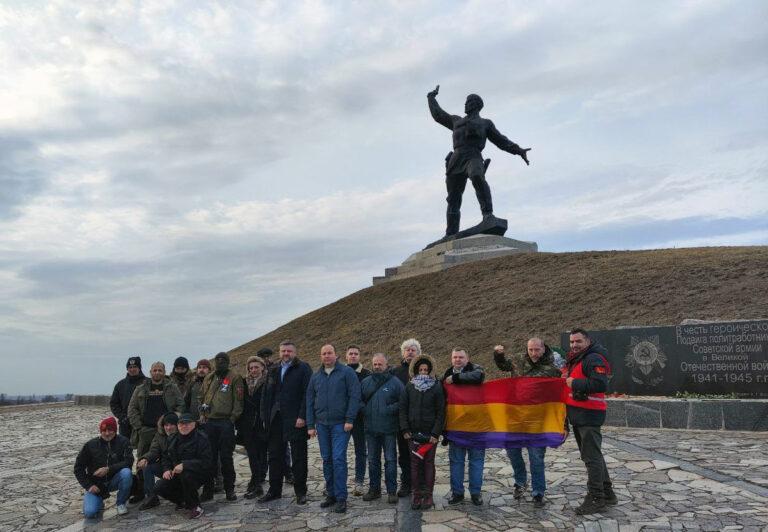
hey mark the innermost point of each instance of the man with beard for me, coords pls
(186, 466)
(181, 376)
(221, 405)
(586, 374)
(153, 398)
(358, 430)
(380, 395)
(104, 465)
(538, 361)
(192, 398)
(284, 411)
(410, 349)
(121, 395)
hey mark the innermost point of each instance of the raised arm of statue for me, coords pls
(440, 116)
(503, 143)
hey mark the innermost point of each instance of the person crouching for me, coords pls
(186, 466)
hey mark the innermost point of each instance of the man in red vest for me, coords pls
(586, 374)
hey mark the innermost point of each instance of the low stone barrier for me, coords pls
(92, 400)
(701, 414)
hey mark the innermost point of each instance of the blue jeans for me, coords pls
(376, 443)
(536, 458)
(361, 453)
(456, 457)
(93, 503)
(333, 442)
(150, 472)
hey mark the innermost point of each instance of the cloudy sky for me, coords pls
(182, 177)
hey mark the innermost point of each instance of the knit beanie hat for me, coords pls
(181, 362)
(170, 418)
(204, 362)
(264, 352)
(108, 423)
(133, 361)
(222, 355)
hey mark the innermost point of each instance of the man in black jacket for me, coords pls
(122, 393)
(104, 465)
(186, 466)
(409, 350)
(464, 373)
(358, 430)
(586, 375)
(284, 411)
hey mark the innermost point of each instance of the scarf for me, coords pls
(254, 382)
(422, 383)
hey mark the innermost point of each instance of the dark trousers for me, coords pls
(256, 448)
(455, 184)
(221, 435)
(404, 460)
(590, 441)
(181, 489)
(361, 449)
(423, 471)
(125, 429)
(276, 453)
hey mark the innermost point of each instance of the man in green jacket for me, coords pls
(221, 403)
(538, 361)
(153, 398)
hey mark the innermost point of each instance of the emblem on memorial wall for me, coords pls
(646, 359)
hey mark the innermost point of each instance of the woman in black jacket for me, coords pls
(422, 416)
(250, 427)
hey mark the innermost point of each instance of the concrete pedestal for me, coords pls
(460, 251)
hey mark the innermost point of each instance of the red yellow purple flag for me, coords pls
(507, 413)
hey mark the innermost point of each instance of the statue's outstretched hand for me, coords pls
(433, 93)
(524, 155)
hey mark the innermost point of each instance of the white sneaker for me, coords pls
(122, 509)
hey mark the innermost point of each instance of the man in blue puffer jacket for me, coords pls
(333, 401)
(380, 394)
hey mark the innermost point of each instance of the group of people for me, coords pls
(184, 427)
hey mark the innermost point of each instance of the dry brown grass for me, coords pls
(510, 299)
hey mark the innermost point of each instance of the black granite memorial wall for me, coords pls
(704, 358)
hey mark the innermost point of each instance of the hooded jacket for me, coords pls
(380, 395)
(333, 398)
(96, 453)
(158, 446)
(521, 365)
(422, 411)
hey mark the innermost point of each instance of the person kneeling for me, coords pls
(104, 465)
(186, 467)
(151, 463)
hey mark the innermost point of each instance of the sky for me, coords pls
(178, 178)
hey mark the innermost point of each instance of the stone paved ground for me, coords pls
(665, 480)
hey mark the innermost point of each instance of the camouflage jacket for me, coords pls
(521, 365)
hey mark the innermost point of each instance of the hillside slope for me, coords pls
(509, 299)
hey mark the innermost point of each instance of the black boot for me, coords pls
(452, 223)
(610, 496)
(591, 505)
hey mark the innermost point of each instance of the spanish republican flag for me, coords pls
(507, 413)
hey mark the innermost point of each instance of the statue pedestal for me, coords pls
(440, 256)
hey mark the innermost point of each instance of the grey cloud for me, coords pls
(21, 177)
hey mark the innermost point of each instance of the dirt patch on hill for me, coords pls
(510, 299)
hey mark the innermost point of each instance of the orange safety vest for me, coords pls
(594, 401)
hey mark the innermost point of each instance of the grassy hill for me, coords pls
(510, 299)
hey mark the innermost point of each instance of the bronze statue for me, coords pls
(466, 159)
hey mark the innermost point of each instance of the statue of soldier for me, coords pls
(466, 159)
